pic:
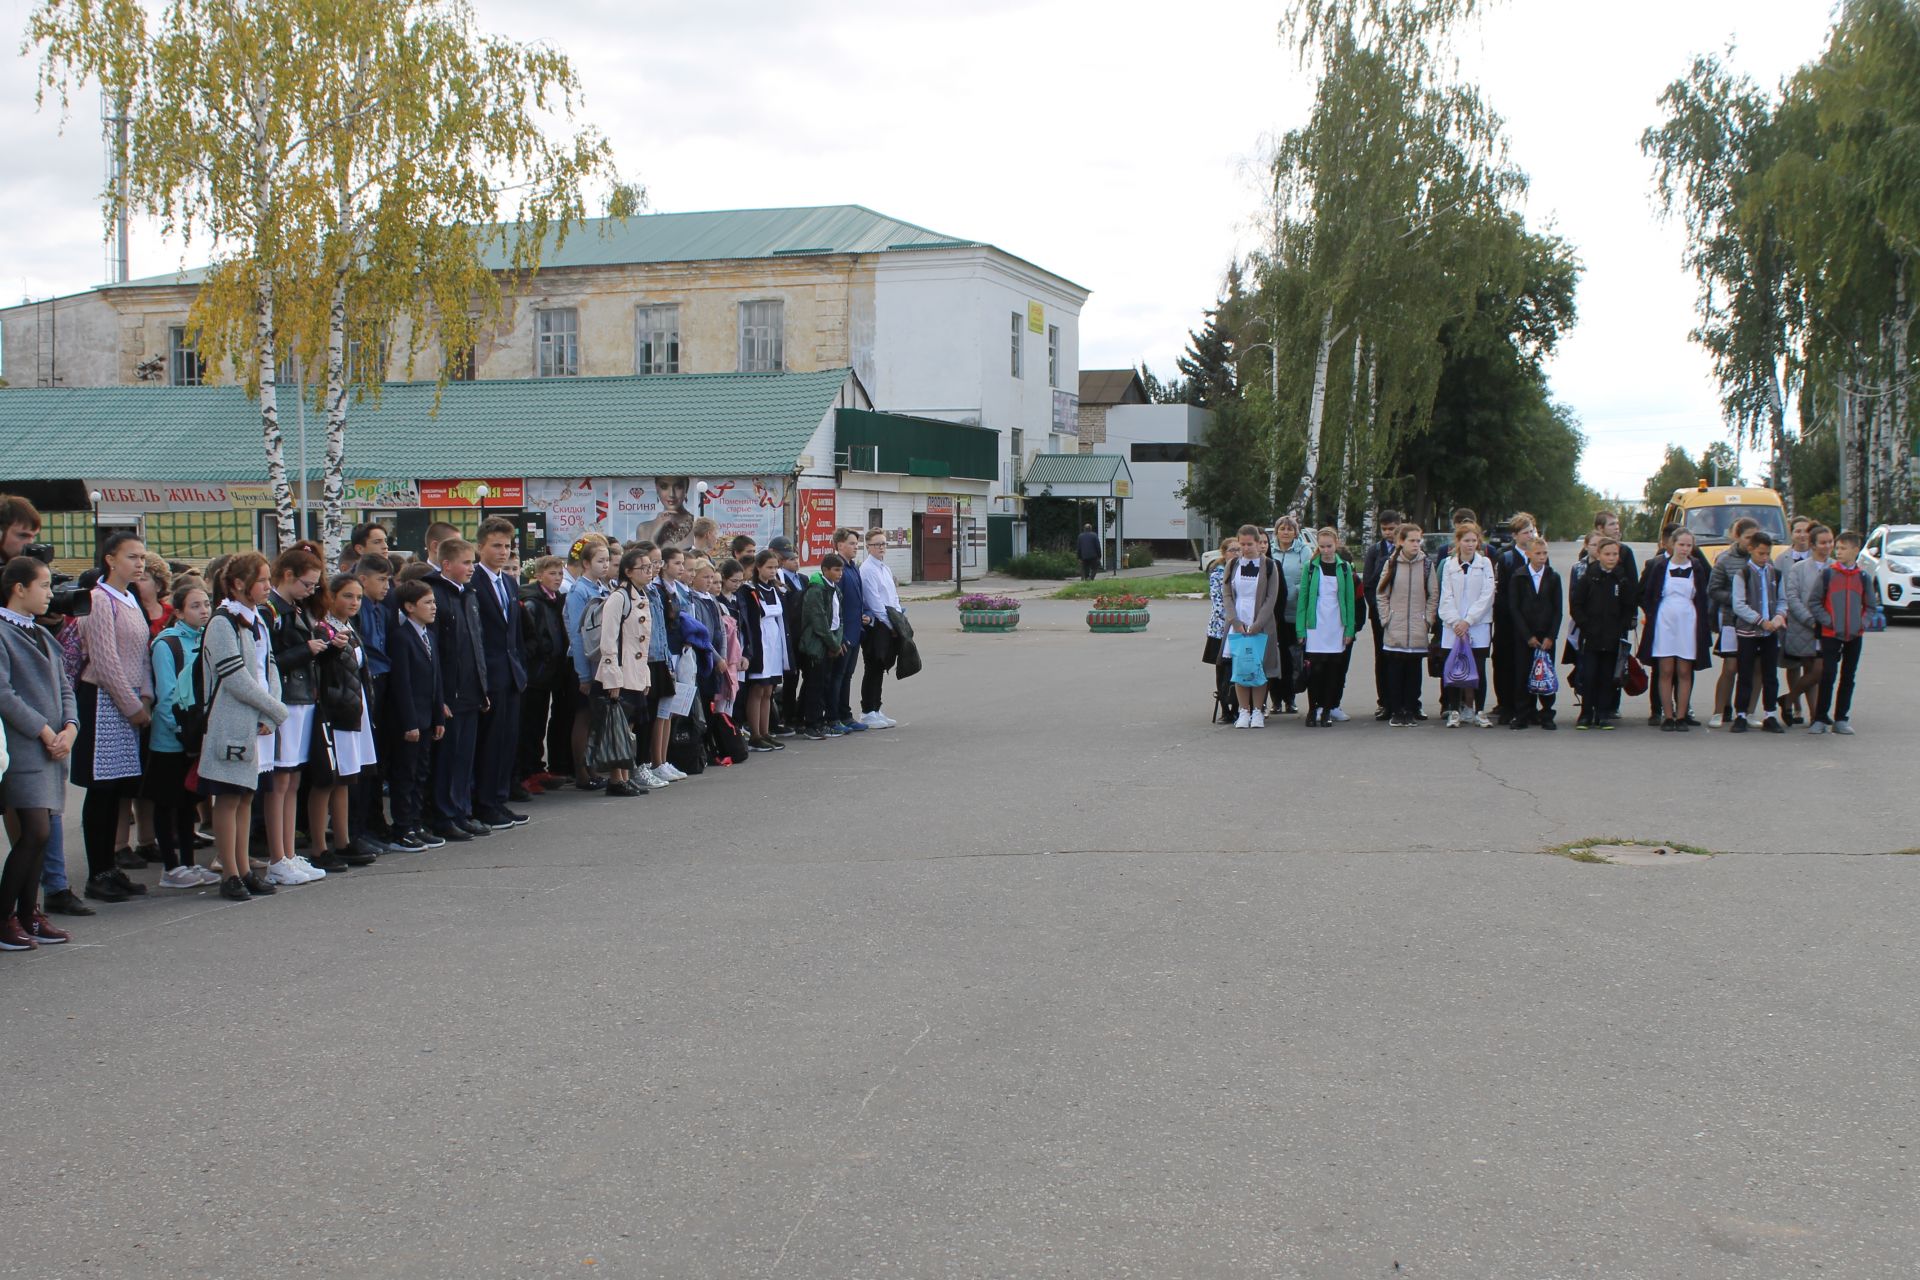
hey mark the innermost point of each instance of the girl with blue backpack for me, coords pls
(174, 742)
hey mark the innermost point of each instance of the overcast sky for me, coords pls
(1115, 142)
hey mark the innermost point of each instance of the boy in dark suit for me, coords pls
(1534, 609)
(463, 682)
(497, 596)
(415, 713)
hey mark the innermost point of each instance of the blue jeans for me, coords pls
(840, 704)
(53, 872)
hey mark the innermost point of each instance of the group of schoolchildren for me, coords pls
(1787, 623)
(390, 707)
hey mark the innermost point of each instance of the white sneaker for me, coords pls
(1259, 718)
(179, 878)
(874, 720)
(1337, 716)
(1453, 720)
(1715, 722)
(1244, 720)
(206, 875)
(668, 772)
(886, 721)
(305, 868)
(650, 777)
(284, 873)
(1482, 719)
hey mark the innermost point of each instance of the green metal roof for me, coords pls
(910, 446)
(1074, 468)
(709, 236)
(713, 423)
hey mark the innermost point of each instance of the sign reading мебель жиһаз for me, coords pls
(661, 509)
(119, 497)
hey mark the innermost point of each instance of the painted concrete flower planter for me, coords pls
(1116, 621)
(989, 613)
(1117, 614)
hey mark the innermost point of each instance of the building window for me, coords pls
(1018, 321)
(1053, 355)
(1016, 452)
(876, 519)
(358, 351)
(656, 340)
(1161, 453)
(762, 343)
(185, 368)
(559, 343)
(460, 364)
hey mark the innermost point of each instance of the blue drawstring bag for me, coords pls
(1543, 681)
(1249, 658)
(1461, 671)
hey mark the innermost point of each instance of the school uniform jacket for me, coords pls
(500, 635)
(1531, 614)
(34, 695)
(1653, 587)
(240, 702)
(414, 695)
(1466, 595)
(456, 634)
(1269, 589)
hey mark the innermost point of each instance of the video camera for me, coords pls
(71, 598)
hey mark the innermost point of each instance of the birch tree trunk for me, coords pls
(1782, 455)
(1367, 458)
(265, 339)
(1316, 416)
(1344, 491)
(1900, 479)
(333, 485)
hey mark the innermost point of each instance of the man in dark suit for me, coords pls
(497, 596)
(1510, 651)
(463, 673)
(415, 714)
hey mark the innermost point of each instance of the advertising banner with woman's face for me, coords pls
(660, 509)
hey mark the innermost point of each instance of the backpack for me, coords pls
(687, 745)
(590, 628)
(191, 713)
(726, 745)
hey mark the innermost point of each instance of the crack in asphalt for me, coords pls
(1481, 767)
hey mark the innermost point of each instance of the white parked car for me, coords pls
(1894, 552)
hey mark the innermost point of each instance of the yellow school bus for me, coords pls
(1708, 512)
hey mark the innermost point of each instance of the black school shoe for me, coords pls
(474, 828)
(257, 884)
(67, 903)
(451, 833)
(101, 888)
(330, 861)
(234, 889)
(128, 860)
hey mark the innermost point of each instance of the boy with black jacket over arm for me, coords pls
(463, 674)
(1533, 611)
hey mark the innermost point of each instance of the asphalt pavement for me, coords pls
(1055, 979)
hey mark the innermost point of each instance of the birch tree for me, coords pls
(367, 171)
(1718, 138)
(215, 153)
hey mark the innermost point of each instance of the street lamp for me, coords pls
(700, 490)
(93, 497)
(481, 491)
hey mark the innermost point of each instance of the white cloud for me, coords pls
(1108, 142)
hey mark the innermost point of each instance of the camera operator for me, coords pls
(19, 526)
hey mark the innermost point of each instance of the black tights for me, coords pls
(20, 881)
(173, 824)
(100, 821)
